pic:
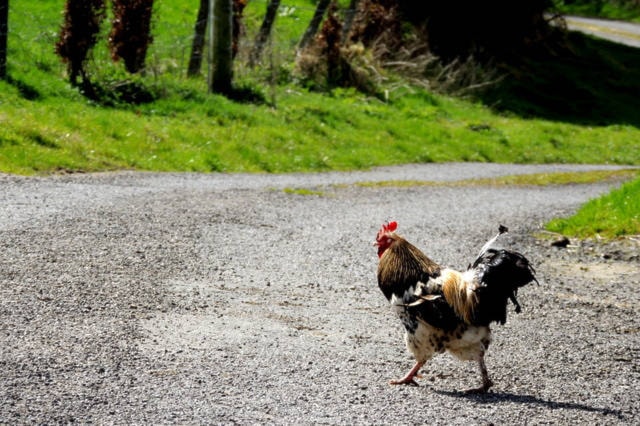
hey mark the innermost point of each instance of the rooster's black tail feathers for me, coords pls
(499, 273)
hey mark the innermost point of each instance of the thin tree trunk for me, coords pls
(348, 19)
(197, 47)
(264, 33)
(78, 35)
(4, 29)
(221, 66)
(312, 29)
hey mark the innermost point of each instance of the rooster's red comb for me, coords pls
(386, 228)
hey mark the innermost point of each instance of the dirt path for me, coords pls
(189, 299)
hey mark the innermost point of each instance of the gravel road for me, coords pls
(137, 298)
(619, 31)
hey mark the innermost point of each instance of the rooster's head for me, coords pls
(385, 236)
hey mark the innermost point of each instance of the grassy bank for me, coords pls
(556, 108)
(306, 132)
(613, 215)
(575, 108)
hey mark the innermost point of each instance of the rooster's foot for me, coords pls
(482, 389)
(407, 380)
(404, 381)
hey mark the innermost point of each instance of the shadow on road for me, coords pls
(580, 79)
(498, 397)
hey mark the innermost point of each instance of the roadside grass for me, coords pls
(613, 215)
(304, 191)
(579, 109)
(307, 132)
(532, 179)
(48, 127)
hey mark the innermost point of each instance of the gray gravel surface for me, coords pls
(618, 31)
(136, 298)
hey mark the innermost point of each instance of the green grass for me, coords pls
(613, 215)
(304, 191)
(307, 132)
(46, 126)
(533, 179)
(571, 106)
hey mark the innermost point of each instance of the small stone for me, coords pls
(561, 242)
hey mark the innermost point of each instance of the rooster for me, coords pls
(446, 310)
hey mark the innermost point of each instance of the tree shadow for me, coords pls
(498, 397)
(579, 79)
(26, 91)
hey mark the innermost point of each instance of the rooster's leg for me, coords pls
(408, 379)
(486, 381)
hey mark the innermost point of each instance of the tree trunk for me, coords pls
(197, 47)
(221, 63)
(130, 34)
(4, 29)
(264, 33)
(348, 19)
(312, 29)
(237, 27)
(78, 34)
